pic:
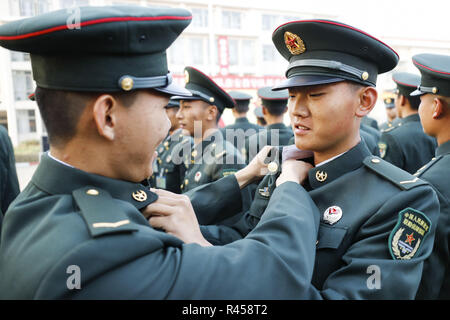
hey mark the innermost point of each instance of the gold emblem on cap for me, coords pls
(365, 75)
(434, 90)
(294, 43)
(92, 192)
(273, 167)
(388, 100)
(127, 84)
(321, 176)
(139, 195)
(186, 76)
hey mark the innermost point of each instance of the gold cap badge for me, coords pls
(127, 84)
(294, 43)
(186, 76)
(365, 75)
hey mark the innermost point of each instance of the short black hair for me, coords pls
(61, 110)
(275, 107)
(242, 106)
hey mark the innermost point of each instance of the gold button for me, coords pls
(211, 99)
(365, 75)
(92, 192)
(321, 176)
(194, 153)
(127, 84)
(186, 182)
(434, 90)
(166, 143)
(139, 195)
(376, 160)
(273, 167)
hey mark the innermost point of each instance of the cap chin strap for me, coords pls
(145, 82)
(329, 64)
(433, 90)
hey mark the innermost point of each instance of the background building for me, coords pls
(229, 40)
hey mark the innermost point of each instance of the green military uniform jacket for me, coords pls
(67, 219)
(436, 276)
(406, 145)
(243, 124)
(276, 131)
(379, 205)
(211, 160)
(169, 166)
(9, 184)
(368, 121)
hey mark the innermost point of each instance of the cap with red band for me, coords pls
(406, 82)
(100, 49)
(325, 51)
(435, 74)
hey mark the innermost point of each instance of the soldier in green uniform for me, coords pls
(238, 131)
(259, 117)
(434, 111)
(169, 166)
(377, 221)
(391, 113)
(212, 156)
(9, 184)
(81, 221)
(276, 133)
(406, 145)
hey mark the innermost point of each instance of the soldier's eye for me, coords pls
(318, 94)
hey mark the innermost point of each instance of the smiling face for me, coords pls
(142, 127)
(324, 117)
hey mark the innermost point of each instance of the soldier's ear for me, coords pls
(438, 108)
(212, 113)
(367, 100)
(104, 115)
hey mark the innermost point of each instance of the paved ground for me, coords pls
(25, 171)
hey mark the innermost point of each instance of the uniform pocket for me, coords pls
(330, 237)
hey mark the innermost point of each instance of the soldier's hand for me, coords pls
(293, 170)
(174, 214)
(256, 169)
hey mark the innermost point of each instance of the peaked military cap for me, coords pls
(435, 71)
(204, 88)
(115, 48)
(241, 99)
(325, 51)
(406, 82)
(173, 104)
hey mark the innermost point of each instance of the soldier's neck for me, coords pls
(271, 119)
(322, 156)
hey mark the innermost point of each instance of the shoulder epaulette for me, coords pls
(101, 214)
(397, 176)
(391, 128)
(428, 165)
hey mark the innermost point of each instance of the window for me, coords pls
(269, 54)
(28, 7)
(248, 52)
(73, 3)
(196, 51)
(233, 52)
(269, 22)
(20, 56)
(23, 84)
(199, 18)
(231, 19)
(26, 121)
(176, 52)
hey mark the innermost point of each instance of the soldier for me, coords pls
(169, 166)
(406, 145)
(276, 133)
(81, 221)
(434, 111)
(259, 117)
(242, 127)
(391, 113)
(377, 221)
(9, 188)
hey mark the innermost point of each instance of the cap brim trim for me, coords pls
(417, 92)
(174, 90)
(303, 81)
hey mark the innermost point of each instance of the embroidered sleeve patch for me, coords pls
(382, 147)
(410, 231)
